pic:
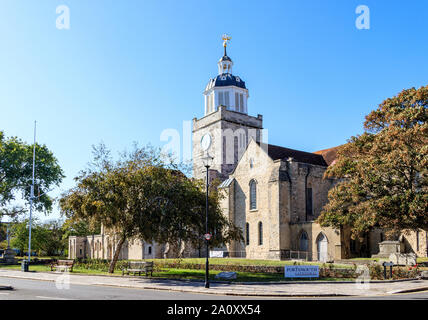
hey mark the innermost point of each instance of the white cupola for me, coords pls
(226, 89)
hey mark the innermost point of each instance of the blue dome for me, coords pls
(224, 80)
(225, 58)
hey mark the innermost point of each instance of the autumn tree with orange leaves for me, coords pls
(383, 172)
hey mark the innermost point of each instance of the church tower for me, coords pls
(226, 127)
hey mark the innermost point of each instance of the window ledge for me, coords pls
(254, 210)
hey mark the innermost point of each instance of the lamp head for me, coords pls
(207, 160)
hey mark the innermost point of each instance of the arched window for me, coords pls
(247, 233)
(260, 233)
(253, 194)
(303, 241)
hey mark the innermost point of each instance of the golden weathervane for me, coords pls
(225, 39)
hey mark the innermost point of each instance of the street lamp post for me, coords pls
(207, 163)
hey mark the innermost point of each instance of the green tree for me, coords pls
(3, 236)
(19, 235)
(49, 238)
(143, 195)
(16, 159)
(383, 172)
(46, 238)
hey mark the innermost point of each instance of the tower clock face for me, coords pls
(206, 141)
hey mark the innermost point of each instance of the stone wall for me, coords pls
(103, 246)
(415, 242)
(314, 230)
(281, 205)
(267, 195)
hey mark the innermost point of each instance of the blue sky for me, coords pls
(126, 70)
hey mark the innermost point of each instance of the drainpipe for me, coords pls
(290, 191)
(306, 194)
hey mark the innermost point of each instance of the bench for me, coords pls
(138, 267)
(63, 265)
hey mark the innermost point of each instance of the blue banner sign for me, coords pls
(301, 271)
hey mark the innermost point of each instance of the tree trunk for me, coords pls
(182, 247)
(167, 248)
(116, 254)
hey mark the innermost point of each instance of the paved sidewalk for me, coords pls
(277, 289)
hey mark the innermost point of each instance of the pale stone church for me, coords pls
(274, 194)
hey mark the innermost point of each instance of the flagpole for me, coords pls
(32, 194)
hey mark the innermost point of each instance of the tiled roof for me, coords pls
(329, 155)
(276, 152)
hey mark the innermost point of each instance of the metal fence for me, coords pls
(306, 256)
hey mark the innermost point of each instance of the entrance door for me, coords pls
(148, 251)
(322, 248)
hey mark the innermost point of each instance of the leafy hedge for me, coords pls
(98, 264)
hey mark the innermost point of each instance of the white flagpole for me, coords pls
(32, 194)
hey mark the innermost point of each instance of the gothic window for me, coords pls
(260, 233)
(149, 250)
(303, 241)
(253, 194)
(247, 233)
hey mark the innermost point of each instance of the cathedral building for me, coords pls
(274, 194)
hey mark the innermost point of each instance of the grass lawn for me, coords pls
(358, 259)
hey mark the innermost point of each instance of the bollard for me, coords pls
(24, 265)
(387, 264)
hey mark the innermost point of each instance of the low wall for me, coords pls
(324, 272)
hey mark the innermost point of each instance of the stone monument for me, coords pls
(9, 254)
(386, 248)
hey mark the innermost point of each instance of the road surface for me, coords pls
(46, 290)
